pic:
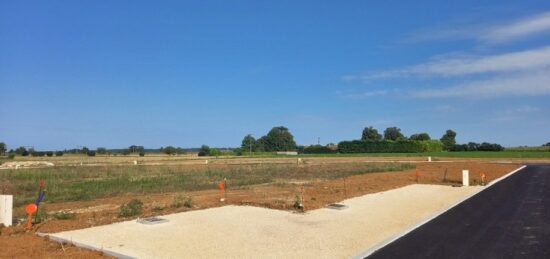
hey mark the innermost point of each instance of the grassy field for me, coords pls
(85, 183)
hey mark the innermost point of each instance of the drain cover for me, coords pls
(337, 206)
(152, 221)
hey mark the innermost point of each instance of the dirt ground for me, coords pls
(22, 243)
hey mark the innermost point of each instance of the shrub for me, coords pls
(182, 201)
(49, 153)
(204, 151)
(387, 146)
(91, 153)
(58, 153)
(63, 215)
(141, 153)
(11, 155)
(476, 147)
(38, 153)
(318, 149)
(131, 208)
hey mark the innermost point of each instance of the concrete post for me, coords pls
(6, 206)
(465, 177)
(429, 159)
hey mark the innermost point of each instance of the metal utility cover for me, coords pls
(152, 221)
(337, 206)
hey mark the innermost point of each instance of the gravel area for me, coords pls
(251, 232)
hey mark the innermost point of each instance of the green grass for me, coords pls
(86, 183)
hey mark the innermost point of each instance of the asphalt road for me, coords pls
(510, 219)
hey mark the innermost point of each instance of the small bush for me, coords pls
(157, 207)
(63, 215)
(182, 201)
(131, 208)
(11, 155)
(49, 153)
(91, 153)
(41, 214)
(58, 153)
(142, 153)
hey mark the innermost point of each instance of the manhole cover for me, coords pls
(337, 206)
(152, 221)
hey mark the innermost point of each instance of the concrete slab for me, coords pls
(251, 232)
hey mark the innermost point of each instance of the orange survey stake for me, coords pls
(30, 209)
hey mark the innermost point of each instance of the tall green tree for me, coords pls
(393, 133)
(170, 150)
(248, 144)
(420, 136)
(448, 139)
(204, 151)
(370, 133)
(278, 139)
(2, 148)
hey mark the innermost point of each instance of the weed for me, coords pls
(182, 201)
(157, 207)
(64, 215)
(131, 208)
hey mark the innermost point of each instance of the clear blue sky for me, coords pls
(186, 73)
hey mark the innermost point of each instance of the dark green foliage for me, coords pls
(278, 139)
(393, 133)
(22, 151)
(11, 155)
(238, 151)
(91, 153)
(204, 151)
(101, 151)
(476, 147)
(371, 133)
(3, 148)
(318, 149)
(448, 139)
(49, 153)
(249, 144)
(136, 149)
(131, 208)
(38, 153)
(385, 146)
(58, 153)
(169, 150)
(546, 145)
(141, 153)
(420, 136)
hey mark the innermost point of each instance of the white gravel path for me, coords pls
(251, 232)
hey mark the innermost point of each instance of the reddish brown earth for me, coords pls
(17, 242)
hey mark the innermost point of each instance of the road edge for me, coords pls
(390, 240)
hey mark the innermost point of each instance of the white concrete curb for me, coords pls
(405, 232)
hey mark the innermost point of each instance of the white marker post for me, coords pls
(6, 206)
(465, 177)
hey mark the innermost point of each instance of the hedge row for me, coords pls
(472, 146)
(317, 149)
(387, 146)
